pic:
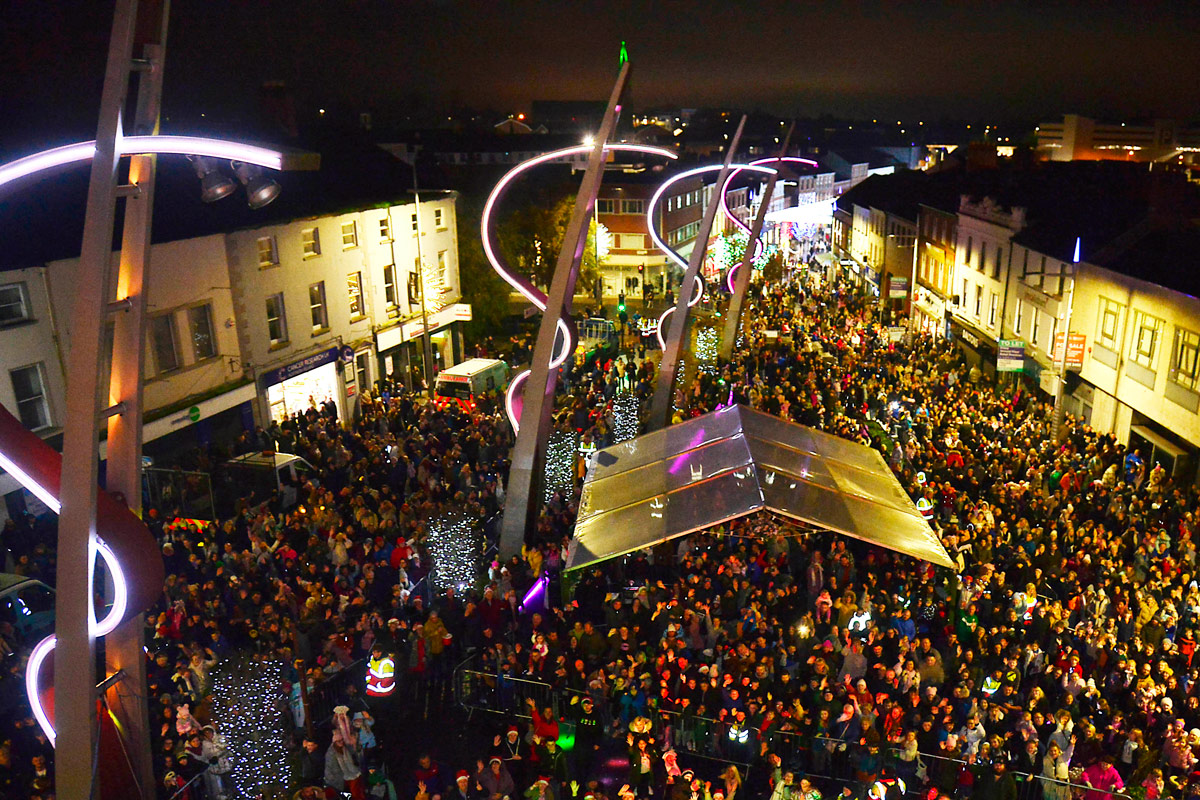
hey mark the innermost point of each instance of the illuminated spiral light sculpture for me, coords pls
(121, 540)
(758, 246)
(698, 291)
(565, 339)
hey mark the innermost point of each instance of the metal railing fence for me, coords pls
(834, 760)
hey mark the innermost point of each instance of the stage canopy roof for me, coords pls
(733, 462)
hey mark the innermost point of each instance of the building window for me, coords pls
(967, 257)
(385, 229)
(316, 306)
(1037, 328)
(268, 251)
(389, 285)
(310, 242)
(1107, 327)
(415, 223)
(276, 319)
(606, 206)
(1146, 330)
(978, 301)
(204, 343)
(349, 235)
(355, 295)
(996, 265)
(963, 299)
(630, 241)
(443, 262)
(439, 219)
(633, 207)
(30, 390)
(1019, 319)
(164, 343)
(1185, 364)
(992, 309)
(14, 304)
(982, 256)
(414, 288)
(362, 369)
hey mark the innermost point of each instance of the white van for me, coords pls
(264, 474)
(464, 383)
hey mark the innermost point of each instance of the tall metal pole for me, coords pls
(733, 318)
(1060, 363)
(75, 653)
(124, 646)
(425, 344)
(529, 453)
(664, 392)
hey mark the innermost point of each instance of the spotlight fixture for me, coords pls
(214, 184)
(260, 190)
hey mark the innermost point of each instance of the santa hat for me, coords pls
(462, 774)
(495, 760)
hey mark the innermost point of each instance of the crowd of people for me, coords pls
(753, 659)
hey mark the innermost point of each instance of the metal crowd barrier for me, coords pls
(331, 692)
(829, 759)
(194, 788)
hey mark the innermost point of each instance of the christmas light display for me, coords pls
(560, 464)
(707, 341)
(247, 707)
(626, 417)
(455, 550)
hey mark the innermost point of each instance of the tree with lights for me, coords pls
(248, 706)
(455, 549)
(626, 417)
(561, 452)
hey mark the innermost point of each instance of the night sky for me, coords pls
(994, 61)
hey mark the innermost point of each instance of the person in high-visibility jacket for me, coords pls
(381, 673)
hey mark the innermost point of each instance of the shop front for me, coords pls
(870, 282)
(931, 312)
(978, 349)
(216, 420)
(400, 350)
(305, 384)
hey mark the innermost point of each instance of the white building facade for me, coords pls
(980, 283)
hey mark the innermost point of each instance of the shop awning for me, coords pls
(731, 463)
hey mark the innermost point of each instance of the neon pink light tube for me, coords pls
(730, 215)
(487, 224)
(142, 145)
(495, 258)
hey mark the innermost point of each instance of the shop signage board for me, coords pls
(282, 374)
(897, 287)
(459, 312)
(1010, 356)
(1076, 344)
